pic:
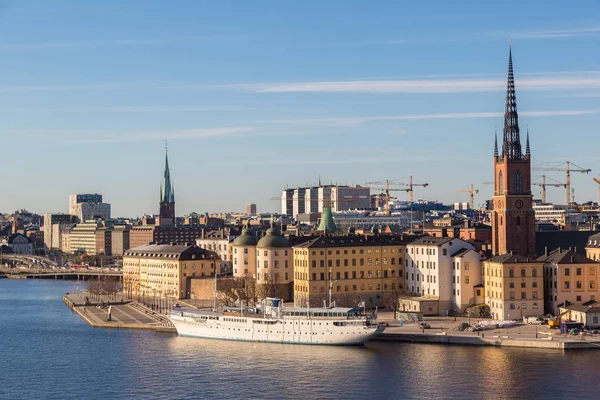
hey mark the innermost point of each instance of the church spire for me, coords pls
(167, 194)
(511, 146)
(527, 148)
(495, 143)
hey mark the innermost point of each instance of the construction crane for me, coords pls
(597, 180)
(568, 169)
(472, 192)
(543, 185)
(385, 186)
(410, 186)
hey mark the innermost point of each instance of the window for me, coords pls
(578, 271)
(523, 273)
(592, 285)
(534, 306)
(592, 271)
(466, 279)
(314, 263)
(322, 276)
(567, 284)
(518, 182)
(445, 252)
(523, 285)
(322, 263)
(511, 273)
(518, 221)
(524, 306)
(567, 272)
(314, 276)
(466, 266)
(511, 295)
(511, 285)
(534, 272)
(500, 182)
(523, 295)
(534, 284)
(578, 284)
(534, 295)
(578, 298)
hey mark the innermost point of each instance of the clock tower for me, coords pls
(513, 219)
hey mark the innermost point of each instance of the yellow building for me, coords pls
(356, 268)
(162, 270)
(569, 276)
(514, 286)
(592, 250)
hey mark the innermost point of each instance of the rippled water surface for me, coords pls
(48, 352)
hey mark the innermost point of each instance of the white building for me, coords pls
(219, 241)
(88, 206)
(20, 244)
(560, 215)
(443, 268)
(313, 199)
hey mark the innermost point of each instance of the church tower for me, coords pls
(167, 196)
(513, 220)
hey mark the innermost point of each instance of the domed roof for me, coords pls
(247, 238)
(273, 239)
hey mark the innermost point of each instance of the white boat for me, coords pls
(325, 326)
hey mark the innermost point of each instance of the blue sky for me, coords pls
(254, 96)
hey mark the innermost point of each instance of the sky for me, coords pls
(256, 96)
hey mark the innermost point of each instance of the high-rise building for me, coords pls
(167, 197)
(313, 199)
(54, 225)
(513, 219)
(251, 209)
(88, 206)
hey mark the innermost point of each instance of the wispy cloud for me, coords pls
(464, 115)
(558, 33)
(30, 46)
(154, 136)
(561, 81)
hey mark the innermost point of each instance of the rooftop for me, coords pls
(174, 251)
(352, 241)
(510, 258)
(566, 257)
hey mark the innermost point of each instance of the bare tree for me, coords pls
(391, 299)
(271, 287)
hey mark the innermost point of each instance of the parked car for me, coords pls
(424, 325)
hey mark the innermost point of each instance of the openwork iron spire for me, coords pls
(511, 145)
(527, 148)
(167, 194)
(495, 143)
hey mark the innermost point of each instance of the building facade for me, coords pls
(251, 209)
(513, 219)
(355, 268)
(219, 241)
(54, 225)
(165, 270)
(20, 244)
(244, 255)
(446, 269)
(514, 286)
(592, 249)
(569, 276)
(88, 206)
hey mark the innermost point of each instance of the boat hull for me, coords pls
(294, 331)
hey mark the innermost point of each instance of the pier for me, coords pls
(124, 313)
(67, 274)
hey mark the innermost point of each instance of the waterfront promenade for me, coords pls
(124, 313)
(519, 335)
(60, 273)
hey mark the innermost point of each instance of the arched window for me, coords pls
(518, 221)
(511, 273)
(534, 272)
(500, 183)
(523, 273)
(518, 182)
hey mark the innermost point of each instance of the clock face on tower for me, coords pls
(519, 203)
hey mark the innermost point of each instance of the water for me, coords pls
(48, 352)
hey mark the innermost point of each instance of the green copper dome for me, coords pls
(273, 239)
(327, 224)
(247, 238)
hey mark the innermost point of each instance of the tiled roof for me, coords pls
(432, 241)
(566, 257)
(352, 241)
(461, 252)
(593, 308)
(510, 258)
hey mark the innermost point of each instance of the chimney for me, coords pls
(546, 251)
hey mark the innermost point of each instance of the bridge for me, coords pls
(63, 273)
(27, 259)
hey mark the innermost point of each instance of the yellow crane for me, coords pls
(472, 192)
(543, 185)
(385, 187)
(411, 185)
(597, 180)
(568, 168)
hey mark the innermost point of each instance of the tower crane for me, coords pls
(472, 192)
(568, 169)
(543, 185)
(411, 185)
(385, 186)
(597, 180)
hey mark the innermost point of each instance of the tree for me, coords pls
(271, 287)
(391, 299)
